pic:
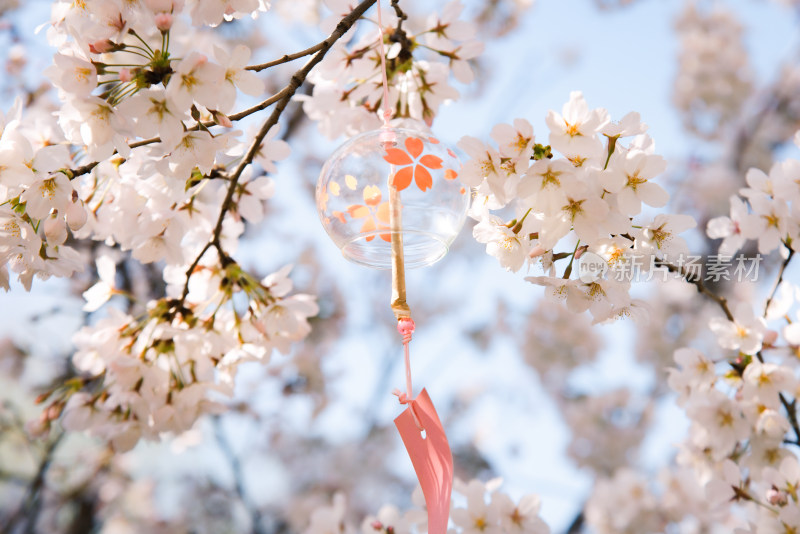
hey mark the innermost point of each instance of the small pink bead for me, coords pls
(163, 21)
(101, 47)
(405, 326)
(387, 136)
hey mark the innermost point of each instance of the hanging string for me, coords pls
(387, 111)
(405, 324)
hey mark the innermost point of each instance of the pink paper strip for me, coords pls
(431, 457)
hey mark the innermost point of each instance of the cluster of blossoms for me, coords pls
(606, 428)
(37, 203)
(736, 454)
(741, 401)
(768, 211)
(741, 405)
(629, 503)
(483, 509)
(586, 201)
(124, 73)
(120, 77)
(713, 78)
(348, 90)
(141, 377)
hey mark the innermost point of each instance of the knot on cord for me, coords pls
(405, 325)
(402, 398)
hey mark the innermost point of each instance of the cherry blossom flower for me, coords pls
(72, 75)
(745, 333)
(543, 183)
(155, 114)
(483, 162)
(510, 248)
(721, 422)
(764, 381)
(660, 236)
(628, 177)
(195, 79)
(579, 209)
(98, 294)
(729, 229)
(236, 77)
(213, 12)
(696, 374)
(574, 130)
(514, 141)
(769, 222)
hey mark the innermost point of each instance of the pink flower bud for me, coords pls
(536, 251)
(55, 230)
(38, 428)
(770, 337)
(776, 497)
(76, 215)
(125, 75)
(164, 21)
(222, 119)
(101, 47)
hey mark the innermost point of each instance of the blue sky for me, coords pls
(622, 60)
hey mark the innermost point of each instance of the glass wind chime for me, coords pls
(390, 199)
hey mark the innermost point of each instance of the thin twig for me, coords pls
(577, 524)
(778, 281)
(85, 169)
(692, 278)
(238, 475)
(791, 413)
(286, 58)
(29, 510)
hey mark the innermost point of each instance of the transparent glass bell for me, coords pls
(354, 199)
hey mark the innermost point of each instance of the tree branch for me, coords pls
(701, 287)
(85, 169)
(287, 58)
(791, 413)
(29, 510)
(577, 524)
(778, 281)
(286, 93)
(238, 475)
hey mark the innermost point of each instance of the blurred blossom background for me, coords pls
(527, 391)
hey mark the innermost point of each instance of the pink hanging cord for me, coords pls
(387, 111)
(405, 326)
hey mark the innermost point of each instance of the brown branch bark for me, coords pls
(701, 287)
(778, 281)
(28, 512)
(286, 58)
